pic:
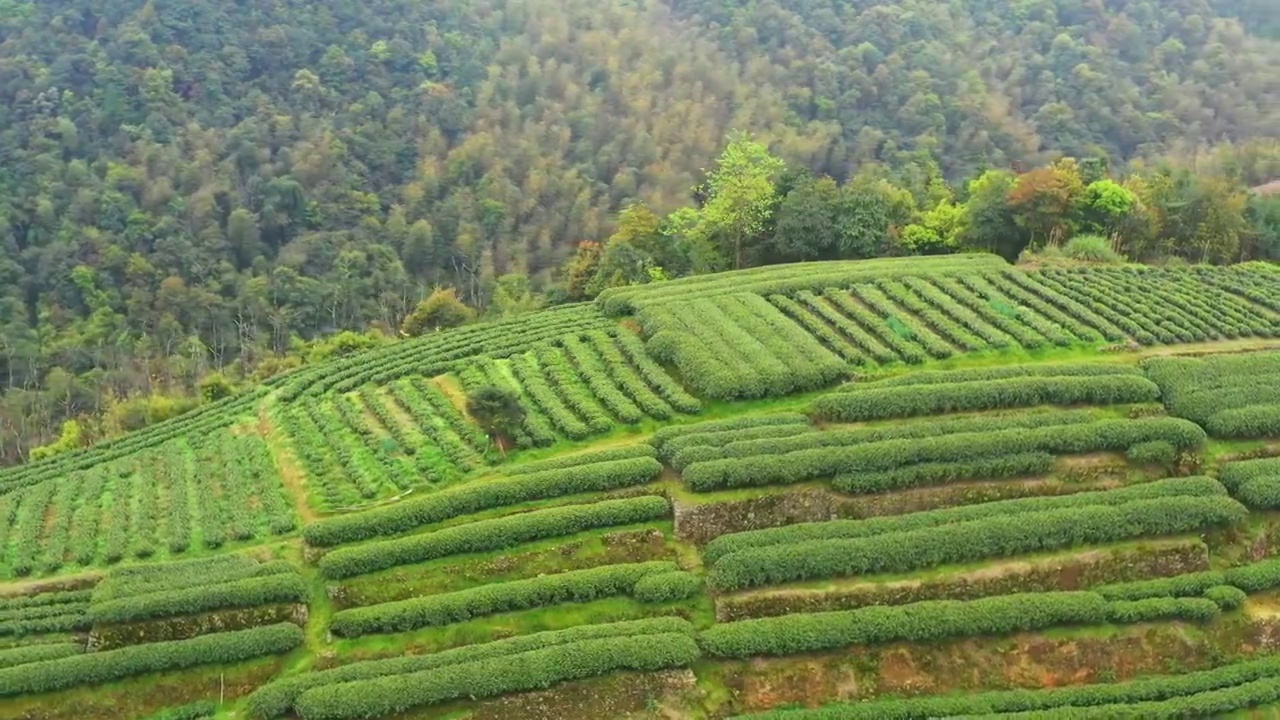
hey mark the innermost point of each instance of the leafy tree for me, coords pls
(740, 197)
(496, 410)
(214, 387)
(1047, 202)
(441, 309)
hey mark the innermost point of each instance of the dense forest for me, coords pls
(192, 187)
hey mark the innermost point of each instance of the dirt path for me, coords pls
(292, 476)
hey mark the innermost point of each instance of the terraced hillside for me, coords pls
(903, 488)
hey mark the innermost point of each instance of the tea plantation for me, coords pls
(901, 488)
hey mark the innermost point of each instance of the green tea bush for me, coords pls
(818, 463)
(805, 532)
(446, 608)
(968, 541)
(249, 592)
(101, 667)
(1161, 608)
(486, 535)
(276, 698)
(24, 654)
(922, 474)
(1227, 597)
(917, 622)
(1155, 452)
(1141, 696)
(667, 587)
(561, 462)
(876, 403)
(467, 499)
(532, 670)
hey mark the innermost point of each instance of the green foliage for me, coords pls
(667, 587)
(923, 621)
(1092, 248)
(497, 410)
(441, 309)
(466, 499)
(488, 535)
(447, 608)
(23, 654)
(1156, 452)
(1227, 597)
(939, 473)
(532, 670)
(276, 698)
(1230, 395)
(561, 462)
(282, 587)
(847, 529)
(109, 665)
(823, 462)
(969, 541)
(1193, 694)
(214, 388)
(873, 403)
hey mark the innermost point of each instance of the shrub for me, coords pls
(804, 532)
(1092, 248)
(1161, 608)
(667, 587)
(967, 541)
(531, 670)
(1237, 473)
(24, 654)
(820, 463)
(671, 432)
(1154, 452)
(1001, 466)
(194, 711)
(1255, 577)
(276, 699)
(917, 622)
(101, 667)
(1182, 688)
(471, 498)
(1003, 372)
(876, 403)
(1186, 585)
(1252, 421)
(495, 534)
(249, 592)
(1227, 597)
(673, 449)
(1262, 493)
(626, 452)
(446, 608)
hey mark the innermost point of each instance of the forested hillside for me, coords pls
(190, 187)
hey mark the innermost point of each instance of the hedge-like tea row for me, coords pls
(132, 580)
(1062, 699)
(194, 711)
(1230, 395)
(688, 449)
(821, 463)
(806, 532)
(495, 534)
(626, 452)
(1256, 483)
(1004, 372)
(968, 541)
(100, 667)
(1254, 577)
(249, 592)
(531, 670)
(276, 699)
(466, 499)
(891, 431)
(869, 402)
(446, 608)
(922, 474)
(24, 654)
(923, 621)
(1161, 608)
(671, 432)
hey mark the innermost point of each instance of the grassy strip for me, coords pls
(531, 670)
(990, 537)
(1137, 698)
(467, 499)
(804, 532)
(101, 667)
(446, 608)
(277, 699)
(487, 535)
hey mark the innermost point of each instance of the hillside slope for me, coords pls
(808, 484)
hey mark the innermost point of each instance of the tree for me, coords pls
(441, 309)
(987, 221)
(806, 221)
(1047, 202)
(496, 410)
(741, 196)
(1107, 206)
(214, 387)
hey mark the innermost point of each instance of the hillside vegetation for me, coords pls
(890, 488)
(195, 189)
